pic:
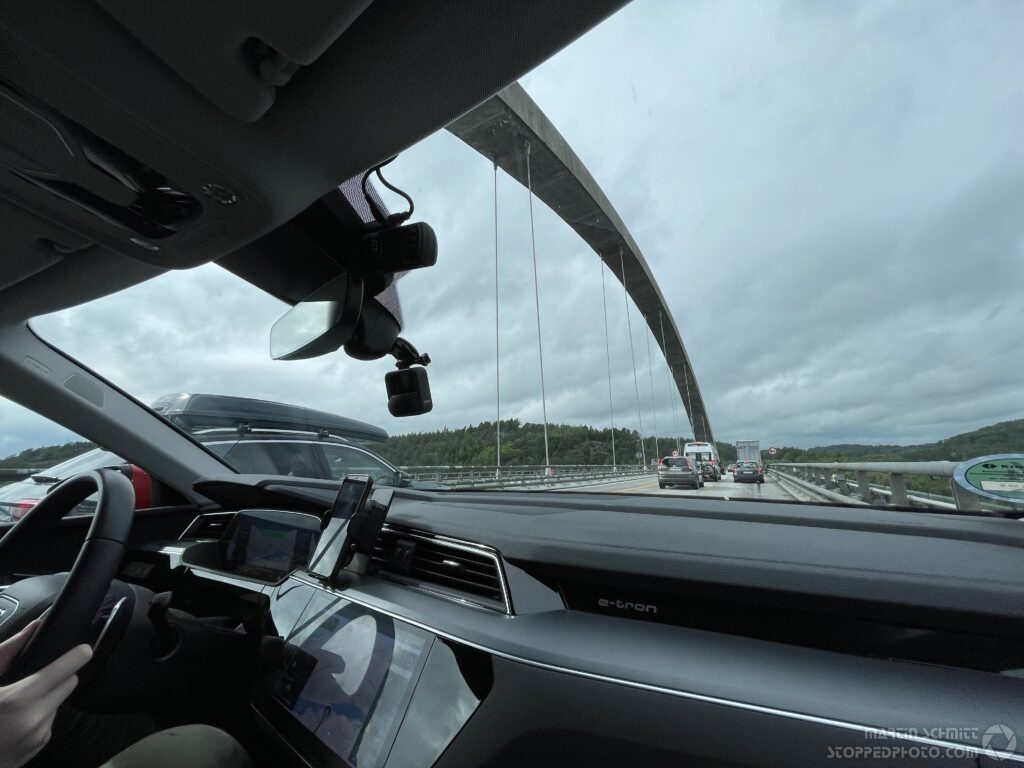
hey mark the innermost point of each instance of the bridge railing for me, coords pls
(481, 476)
(9, 475)
(853, 481)
(523, 476)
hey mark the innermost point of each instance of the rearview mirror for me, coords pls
(321, 323)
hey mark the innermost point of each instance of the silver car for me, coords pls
(679, 470)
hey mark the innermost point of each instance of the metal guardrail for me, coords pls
(523, 476)
(9, 475)
(831, 479)
(479, 476)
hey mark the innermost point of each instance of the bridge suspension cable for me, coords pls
(632, 355)
(608, 360)
(497, 335)
(536, 300)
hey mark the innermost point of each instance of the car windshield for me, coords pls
(842, 181)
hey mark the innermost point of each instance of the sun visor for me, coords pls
(34, 244)
(237, 53)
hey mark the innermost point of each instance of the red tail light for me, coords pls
(21, 508)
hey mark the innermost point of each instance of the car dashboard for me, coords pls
(504, 629)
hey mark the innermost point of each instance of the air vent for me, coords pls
(454, 569)
(209, 526)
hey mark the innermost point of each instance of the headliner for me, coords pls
(356, 87)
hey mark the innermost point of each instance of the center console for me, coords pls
(355, 687)
(343, 684)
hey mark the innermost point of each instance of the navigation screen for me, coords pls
(259, 546)
(347, 674)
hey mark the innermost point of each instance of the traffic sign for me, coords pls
(772, 451)
(1000, 476)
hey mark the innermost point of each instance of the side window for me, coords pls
(36, 454)
(344, 460)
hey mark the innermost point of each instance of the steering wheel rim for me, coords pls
(68, 622)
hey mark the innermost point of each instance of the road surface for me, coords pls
(723, 489)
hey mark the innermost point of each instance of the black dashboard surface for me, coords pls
(721, 678)
(939, 565)
(692, 682)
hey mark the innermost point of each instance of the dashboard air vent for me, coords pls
(209, 526)
(454, 569)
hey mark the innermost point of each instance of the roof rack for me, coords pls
(197, 411)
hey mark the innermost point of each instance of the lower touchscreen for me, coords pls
(346, 676)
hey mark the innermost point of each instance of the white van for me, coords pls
(704, 452)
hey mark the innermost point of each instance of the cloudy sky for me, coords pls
(830, 195)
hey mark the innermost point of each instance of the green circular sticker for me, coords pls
(996, 477)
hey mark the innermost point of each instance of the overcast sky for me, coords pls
(830, 195)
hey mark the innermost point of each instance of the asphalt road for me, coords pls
(723, 489)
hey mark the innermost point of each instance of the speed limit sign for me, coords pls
(772, 451)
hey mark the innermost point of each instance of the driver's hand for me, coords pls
(27, 707)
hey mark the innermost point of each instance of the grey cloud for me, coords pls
(829, 194)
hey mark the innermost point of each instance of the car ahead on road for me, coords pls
(679, 470)
(272, 438)
(704, 453)
(257, 451)
(748, 472)
(17, 498)
(305, 454)
(710, 471)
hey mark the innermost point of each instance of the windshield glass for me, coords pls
(792, 232)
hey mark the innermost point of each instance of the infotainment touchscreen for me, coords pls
(344, 682)
(268, 545)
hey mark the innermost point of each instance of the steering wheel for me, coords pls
(74, 599)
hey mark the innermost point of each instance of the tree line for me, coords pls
(523, 444)
(46, 456)
(1004, 437)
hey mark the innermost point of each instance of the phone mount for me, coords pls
(363, 532)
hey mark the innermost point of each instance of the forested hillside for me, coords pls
(1005, 437)
(520, 444)
(47, 456)
(578, 444)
